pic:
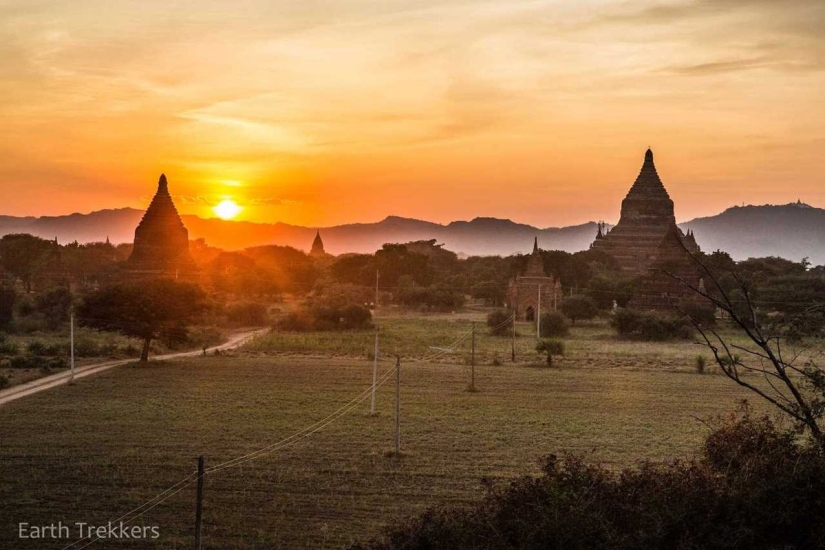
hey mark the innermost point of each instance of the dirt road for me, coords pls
(60, 378)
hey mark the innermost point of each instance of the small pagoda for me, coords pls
(646, 217)
(161, 240)
(533, 292)
(317, 250)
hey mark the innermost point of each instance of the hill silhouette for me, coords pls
(791, 231)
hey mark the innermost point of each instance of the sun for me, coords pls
(227, 209)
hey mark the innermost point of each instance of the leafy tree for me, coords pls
(54, 305)
(288, 268)
(553, 325)
(605, 289)
(579, 307)
(149, 310)
(492, 292)
(8, 297)
(551, 347)
(356, 269)
(22, 255)
(394, 261)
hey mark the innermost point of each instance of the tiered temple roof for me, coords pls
(646, 217)
(161, 239)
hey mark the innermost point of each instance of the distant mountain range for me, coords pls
(792, 231)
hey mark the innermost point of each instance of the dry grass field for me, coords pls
(93, 451)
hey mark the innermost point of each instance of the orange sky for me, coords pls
(322, 112)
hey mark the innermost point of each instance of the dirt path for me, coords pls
(60, 378)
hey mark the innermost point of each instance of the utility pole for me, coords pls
(513, 350)
(538, 316)
(376, 289)
(397, 406)
(199, 505)
(473, 362)
(71, 346)
(374, 374)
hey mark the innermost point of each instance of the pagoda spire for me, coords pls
(163, 185)
(535, 245)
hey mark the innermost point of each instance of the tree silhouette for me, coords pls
(149, 310)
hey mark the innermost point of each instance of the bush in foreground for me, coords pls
(753, 486)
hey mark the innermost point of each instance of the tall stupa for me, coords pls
(161, 239)
(646, 219)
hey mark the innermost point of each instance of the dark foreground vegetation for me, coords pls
(753, 486)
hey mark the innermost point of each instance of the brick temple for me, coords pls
(648, 244)
(161, 240)
(646, 217)
(533, 292)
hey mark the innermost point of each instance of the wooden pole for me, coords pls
(374, 374)
(473, 362)
(199, 505)
(397, 405)
(376, 289)
(71, 347)
(538, 316)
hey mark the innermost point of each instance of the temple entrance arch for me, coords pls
(530, 314)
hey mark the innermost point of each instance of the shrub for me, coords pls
(247, 314)
(86, 347)
(5, 381)
(497, 320)
(347, 317)
(296, 321)
(753, 486)
(700, 364)
(7, 347)
(432, 298)
(639, 325)
(700, 313)
(554, 325)
(28, 362)
(551, 347)
(36, 347)
(579, 307)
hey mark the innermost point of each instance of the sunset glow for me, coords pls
(534, 111)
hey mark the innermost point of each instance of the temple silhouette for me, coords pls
(161, 245)
(647, 244)
(646, 218)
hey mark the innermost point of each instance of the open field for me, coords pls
(98, 449)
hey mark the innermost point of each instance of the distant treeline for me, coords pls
(419, 274)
